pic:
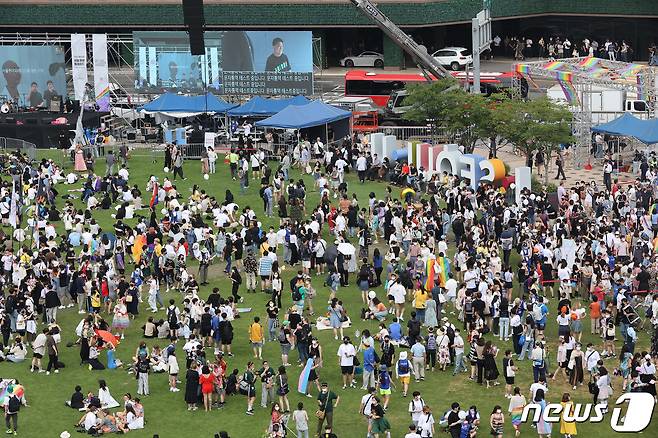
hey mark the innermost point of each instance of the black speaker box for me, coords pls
(195, 22)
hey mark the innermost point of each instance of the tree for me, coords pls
(534, 125)
(469, 116)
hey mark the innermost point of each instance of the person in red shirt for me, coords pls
(206, 380)
(595, 314)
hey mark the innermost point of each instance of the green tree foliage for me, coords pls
(534, 125)
(530, 125)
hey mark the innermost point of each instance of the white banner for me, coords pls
(79, 60)
(209, 140)
(101, 77)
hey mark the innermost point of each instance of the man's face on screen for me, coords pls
(277, 49)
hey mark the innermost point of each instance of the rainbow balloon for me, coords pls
(12, 389)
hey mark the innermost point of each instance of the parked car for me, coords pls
(455, 58)
(365, 59)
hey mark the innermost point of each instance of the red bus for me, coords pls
(378, 86)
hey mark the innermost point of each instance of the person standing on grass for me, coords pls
(282, 389)
(256, 337)
(172, 365)
(39, 350)
(206, 380)
(12, 407)
(347, 353)
(249, 377)
(53, 353)
(300, 417)
(143, 369)
(178, 164)
(266, 374)
(327, 402)
(403, 372)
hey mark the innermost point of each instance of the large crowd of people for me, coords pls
(508, 283)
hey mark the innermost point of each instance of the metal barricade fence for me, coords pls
(416, 133)
(22, 146)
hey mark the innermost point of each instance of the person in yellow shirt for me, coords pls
(96, 301)
(420, 303)
(257, 337)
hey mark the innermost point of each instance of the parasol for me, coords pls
(346, 248)
(107, 337)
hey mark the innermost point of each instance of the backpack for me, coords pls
(282, 338)
(296, 294)
(468, 306)
(14, 405)
(172, 318)
(243, 386)
(403, 366)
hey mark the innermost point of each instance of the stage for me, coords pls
(37, 127)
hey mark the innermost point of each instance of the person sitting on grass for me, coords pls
(77, 399)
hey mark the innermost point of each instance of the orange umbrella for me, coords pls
(107, 337)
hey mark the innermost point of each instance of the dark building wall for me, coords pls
(341, 14)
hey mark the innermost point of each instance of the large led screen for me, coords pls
(235, 62)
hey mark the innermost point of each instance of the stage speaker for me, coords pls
(195, 22)
(55, 103)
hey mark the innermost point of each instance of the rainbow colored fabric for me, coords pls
(569, 91)
(589, 62)
(437, 269)
(554, 65)
(631, 70)
(522, 68)
(154, 196)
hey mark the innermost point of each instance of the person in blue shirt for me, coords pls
(395, 330)
(384, 385)
(368, 366)
(541, 323)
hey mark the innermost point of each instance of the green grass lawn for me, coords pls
(166, 412)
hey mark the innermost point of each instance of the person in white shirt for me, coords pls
(90, 420)
(361, 167)
(537, 386)
(398, 292)
(123, 173)
(365, 408)
(340, 166)
(412, 432)
(416, 406)
(426, 423)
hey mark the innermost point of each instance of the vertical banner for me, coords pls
(101, 78)
(79, 60)
(153, 66)
(142, 80)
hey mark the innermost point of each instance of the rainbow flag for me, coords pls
(641, 91)
(630, 70)
(522, 68)
(430, 274)
(154, 196)
(105, 92)
(444, 270)
(554, 65)
(588, 62)
(437, 269)
(569, 91)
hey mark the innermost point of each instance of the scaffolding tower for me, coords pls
(586, 73)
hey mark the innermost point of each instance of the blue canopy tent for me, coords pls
(312, 116)
(628, 125)
(175, 105)
(261, 107)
